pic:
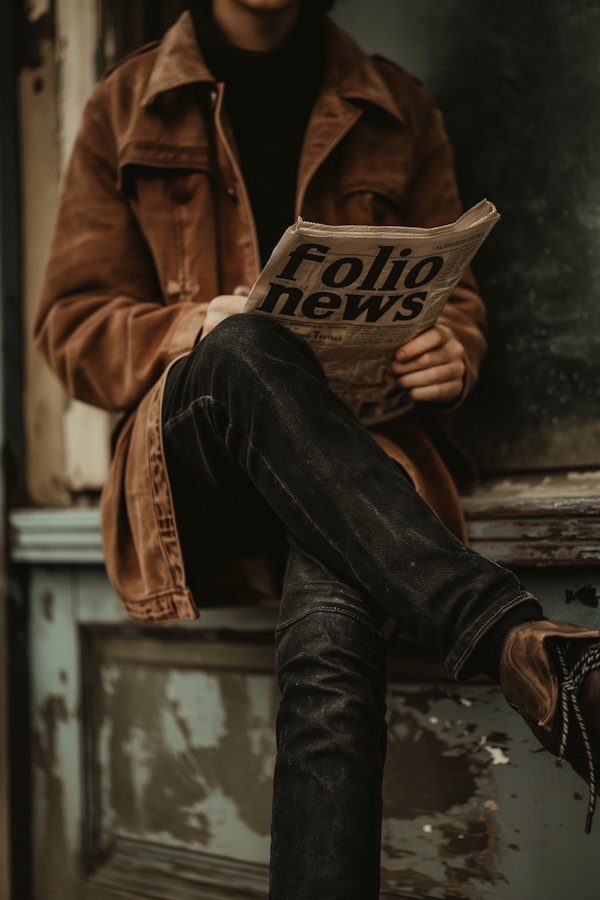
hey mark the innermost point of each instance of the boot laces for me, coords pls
(569, 689)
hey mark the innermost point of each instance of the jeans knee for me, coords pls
(331, 672)
(252, 343)
(239, 335)
(333, 649)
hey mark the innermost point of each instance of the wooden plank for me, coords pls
(493, 508)
(56, 520)
(530, 519)
(157, 888)
(541, 530)
(56, 536)
(532, 553)
(536, 494)
(153, 870)
(188, 654)
(63, 554)
(92, 891)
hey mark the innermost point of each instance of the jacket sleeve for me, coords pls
(101, 321)
(433, 200)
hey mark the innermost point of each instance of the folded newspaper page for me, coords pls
(357, 293)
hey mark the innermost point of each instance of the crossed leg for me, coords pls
(257, 445)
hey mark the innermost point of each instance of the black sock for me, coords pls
(488, 652)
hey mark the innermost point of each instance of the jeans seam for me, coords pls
(198, 401)
(332, 609)
(175, 418)
(514, 602)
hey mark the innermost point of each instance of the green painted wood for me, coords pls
(519, 85)
(56, 536)
(133, 725)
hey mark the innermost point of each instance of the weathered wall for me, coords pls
(154, 753)
(67, 441)
(518, 84)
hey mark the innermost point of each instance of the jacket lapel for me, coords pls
(178, 61)
(352, 82)
(168, 130)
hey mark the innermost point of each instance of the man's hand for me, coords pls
(431, 366)
(221, 308)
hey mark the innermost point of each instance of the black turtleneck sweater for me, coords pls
(268, 98)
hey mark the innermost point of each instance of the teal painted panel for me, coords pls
(519, 86)
(567, 593)
(162, 749)
(473, 809)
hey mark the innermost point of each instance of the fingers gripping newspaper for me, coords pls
(357, 293)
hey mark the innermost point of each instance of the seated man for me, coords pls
(193, 156)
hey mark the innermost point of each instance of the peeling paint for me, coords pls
(174, 769)
(498, 757)
(55, 844)
(213, 803)
(47, 601)
(436, 771)
(586, 595)
(197, 698)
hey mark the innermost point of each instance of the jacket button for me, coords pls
(232, 192)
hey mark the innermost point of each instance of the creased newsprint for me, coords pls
(358, 292)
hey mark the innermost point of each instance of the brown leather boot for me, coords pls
(550, 674)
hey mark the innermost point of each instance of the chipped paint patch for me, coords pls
(187, 756)
(439, 797)
(499, 758)
(140, 761)
(197, 698)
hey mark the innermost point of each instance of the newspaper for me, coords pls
(357, 293)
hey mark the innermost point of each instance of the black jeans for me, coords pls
(258, 449)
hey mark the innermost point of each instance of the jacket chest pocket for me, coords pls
(369, 206)
(373, 171)
(175, 210)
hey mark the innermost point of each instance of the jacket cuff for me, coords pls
(187, 331)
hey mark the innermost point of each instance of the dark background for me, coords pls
(519, 85)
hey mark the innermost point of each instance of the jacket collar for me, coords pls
(350, 74)
(178, 61)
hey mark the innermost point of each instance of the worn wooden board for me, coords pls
(532, 553)
(562, 494)
(534, 518)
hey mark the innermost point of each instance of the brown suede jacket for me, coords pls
(155, 221)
